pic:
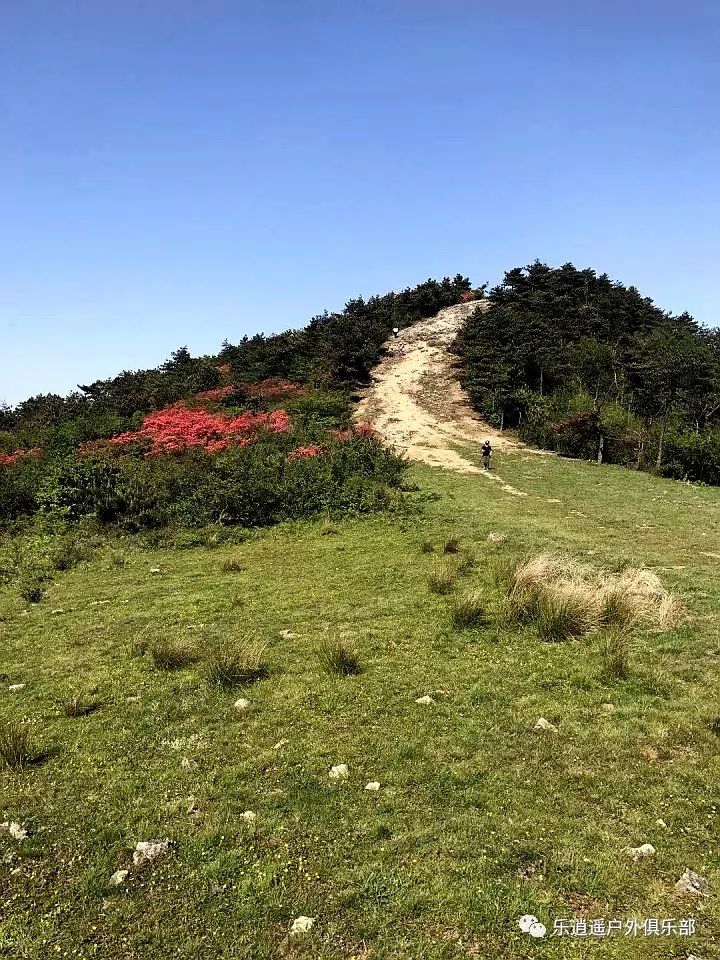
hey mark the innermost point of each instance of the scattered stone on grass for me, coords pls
(651, 754)
(544, 726)
(193, 809)
(280, 744)
(248, 816)
(188, 764)
(117, 878)
(155, 570)
(374, 785)
(98, 603)
(425, 700)
(642, 852)
(301, 925)
(287, 634)
(496, 537)
(661, 823)
(147, 851)
(16, 687)
(339, 772)
(607, 707)
(241, 704)
(16, 830)
(58, 611)
(692, 883)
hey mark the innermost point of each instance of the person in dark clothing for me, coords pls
(486, 454)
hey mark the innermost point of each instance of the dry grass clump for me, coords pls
(443, 579)
(568, 599)
(232, 565)
(339, 657)
(427, 547)
(451, 545)
(79, 705)
(240, 662)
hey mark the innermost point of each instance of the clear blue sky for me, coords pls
(183, 171)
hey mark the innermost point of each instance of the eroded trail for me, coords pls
(417, 405)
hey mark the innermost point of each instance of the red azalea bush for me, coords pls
(213, 396)
(272, 388)
(8, 459)
(302, 453)
(179, 428)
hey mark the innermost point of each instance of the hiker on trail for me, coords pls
(486, 454)
(396, 331)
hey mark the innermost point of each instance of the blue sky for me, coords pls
(181, 172)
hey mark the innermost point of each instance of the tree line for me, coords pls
(590, 368)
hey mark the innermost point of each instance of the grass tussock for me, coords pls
(232, 565)
(451, 545)
(78, 705)
(339, 657)
(427, 546)
(172, 654)
(442, 580)
(16, 749)
(31, 591)
(469, 611)
(236, 663)
(569, 599)
(616, 650)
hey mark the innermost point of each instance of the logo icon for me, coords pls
(530, 924)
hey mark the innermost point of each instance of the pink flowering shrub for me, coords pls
(8, 459)
(179, 428)
(304, 453)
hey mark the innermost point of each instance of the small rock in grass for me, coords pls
(16, 830)
(339, 772)
(241, 704)
(117, 878)
(16, 687)
(287, 634)
(651, 754)
(193, 809)
(155, 570)
(248, 816)
(187, 764)
(496, 537)
(146, 851)
(280, 744)
(301, 925)
(58, 611)
(661, 823)
(692, 883)
(374, 785)
(607, 707)
(544, 726)
(642, 852)
(425, 700)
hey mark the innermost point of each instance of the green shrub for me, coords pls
(32, 591)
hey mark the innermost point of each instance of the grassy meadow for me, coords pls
(133, 736)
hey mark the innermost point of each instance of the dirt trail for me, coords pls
(417, 405)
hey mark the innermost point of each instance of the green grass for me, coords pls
(478, 820)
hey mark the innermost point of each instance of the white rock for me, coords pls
(661, 823)
(117, 878)
(16, 830)
(248, 816)
(339, 772)
(544, 726)
(373, 785)
(301, 925)
(16, 687)
(642, 852)
(155, 570)
(188, 764)
(496, 537)
(287, 634)
(241, 704)
(280, 744)
(148, 850)
(425, 700)
(607, 707)
(692, 883)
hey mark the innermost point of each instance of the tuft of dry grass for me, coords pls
(443, 579)
(240, 662)
(339, 657)
(232, 565)
(172, 654)
(16, 750)
(469, 611)
(451, 545)
(78, 705)
(568, 599)
(427, 547)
